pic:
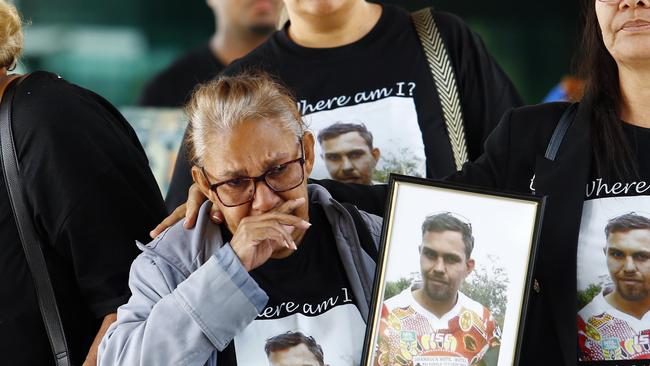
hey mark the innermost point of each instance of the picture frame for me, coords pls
(442, 296)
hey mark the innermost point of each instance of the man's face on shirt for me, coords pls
(298, 355)
(628, 261)
(443, 263)
(349, 159)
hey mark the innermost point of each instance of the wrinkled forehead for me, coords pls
(250, 148)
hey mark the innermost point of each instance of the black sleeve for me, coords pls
(181, 180)
(486, 92)
(491, 169)
(371, 199)
(99, 236)
(90, 186)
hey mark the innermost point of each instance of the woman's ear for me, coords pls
(308, 142)
(199, 179)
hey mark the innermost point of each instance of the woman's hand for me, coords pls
(188, 211)
(257, 237)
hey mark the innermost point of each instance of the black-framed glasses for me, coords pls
(241, 190)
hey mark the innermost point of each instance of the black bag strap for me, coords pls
(562, 127)
(365, 238)
(26, 230)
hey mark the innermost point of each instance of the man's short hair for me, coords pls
(626, 222)
(339, 128)
(446, 221)
(292, 339)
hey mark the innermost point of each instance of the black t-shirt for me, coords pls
(384, 82)
(606, 335)
(309, 292)
(173, 86)
(91, 194)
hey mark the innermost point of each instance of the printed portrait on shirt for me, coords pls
(614, 279)
(294, 349)
(364, 143)
(297, 333)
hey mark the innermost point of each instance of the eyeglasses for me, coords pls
(241, 190)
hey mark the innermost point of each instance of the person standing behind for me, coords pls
(87, 185)
(355, 60)
(240, 27)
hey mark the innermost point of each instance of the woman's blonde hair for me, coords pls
(11, 34)
(218, 106)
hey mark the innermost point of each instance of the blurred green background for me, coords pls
(114, 47)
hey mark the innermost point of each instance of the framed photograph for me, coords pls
(453, 276)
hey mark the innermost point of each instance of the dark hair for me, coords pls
(291, 339)
(340, 128)
(626, 222)
(446, 221)
(611, 149)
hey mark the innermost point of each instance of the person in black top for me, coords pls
(240, 27)
(355, 61)
(91, 195)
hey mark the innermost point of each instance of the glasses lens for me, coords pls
(236, 191)
(285, 176)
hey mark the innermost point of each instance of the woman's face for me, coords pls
(249, 150)
(625, 26)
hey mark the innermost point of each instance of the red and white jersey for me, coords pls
(605, 333)
(411, 335)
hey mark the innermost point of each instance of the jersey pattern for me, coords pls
(605, 333)
(409, 335)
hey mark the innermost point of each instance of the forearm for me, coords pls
(186, 324)
(91, 358)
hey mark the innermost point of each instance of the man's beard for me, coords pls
(632, 293)
(437, 292)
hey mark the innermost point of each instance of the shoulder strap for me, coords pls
(445, 81)
(26, 231)
(562, 127)
(365, 238)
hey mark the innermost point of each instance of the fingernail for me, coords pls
(151, 234)
(294, 245)
(184, 222)
(305, 224)
(286, 244)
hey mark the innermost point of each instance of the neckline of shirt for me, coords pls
(601, 306)
(388, 15)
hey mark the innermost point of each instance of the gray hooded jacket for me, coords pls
(191, 295)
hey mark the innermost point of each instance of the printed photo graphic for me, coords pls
(366, 142)
(294, 349)
(298, 339)
(614, 279)
(453, 276)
